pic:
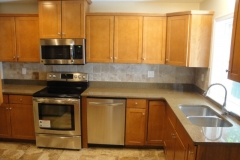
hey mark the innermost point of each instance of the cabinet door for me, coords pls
(73, 19)
(135, 127)
(100, 38)
(154, 40)
(179, 150)
(22, 121)
(5, 122)
(155, 123)
(27, 39)
(177, 40)
(128, 39)
(49, 19)
(7, 39)
(234, 69)
(169, 141)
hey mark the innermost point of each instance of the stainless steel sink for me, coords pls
(197, 110)
(204, 116)
(209, 121)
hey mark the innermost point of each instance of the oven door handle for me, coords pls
(57, 101)
(71, 53)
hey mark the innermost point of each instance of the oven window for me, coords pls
(55, 52)
(56, 116)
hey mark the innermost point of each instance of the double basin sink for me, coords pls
(204, 116)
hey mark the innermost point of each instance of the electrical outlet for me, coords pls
(150, 73)
(24, 70)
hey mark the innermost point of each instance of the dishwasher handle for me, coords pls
(104, 103)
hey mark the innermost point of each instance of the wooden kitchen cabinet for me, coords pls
(155, 122)
(126, 38)
(177, 144)
(62, 19)
(154, 40)
(17, 118)
(99, 35)
(135, 122)
(189, 38)
(144, 122)
(234, 62)
(5, 119)
(19, 39)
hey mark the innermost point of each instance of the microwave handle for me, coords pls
(71, 53)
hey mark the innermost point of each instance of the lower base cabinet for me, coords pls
(144, 122)
(16, 117)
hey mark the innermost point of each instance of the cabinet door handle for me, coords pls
(190, 152)
(228, 70)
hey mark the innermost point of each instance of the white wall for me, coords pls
(141, 7)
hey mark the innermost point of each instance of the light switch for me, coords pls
(24, 70)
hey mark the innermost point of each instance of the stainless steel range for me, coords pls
(57, 111)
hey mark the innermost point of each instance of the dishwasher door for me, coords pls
(106, 121)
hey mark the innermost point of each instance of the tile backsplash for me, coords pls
(104, 72)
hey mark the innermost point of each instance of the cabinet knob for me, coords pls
(63, 33)
(17, 57)
(144, 59)
(111, 57)
(115, 57)
(10, 108)
(20, 99)
(6, 108)
(166, 59)
(143, 114)
(14, 57)
(136, 103)
(59, 33)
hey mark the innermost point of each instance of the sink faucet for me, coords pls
(224, 110)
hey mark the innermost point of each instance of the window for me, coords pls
(220, 62)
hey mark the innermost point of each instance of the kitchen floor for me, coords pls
(28, 151)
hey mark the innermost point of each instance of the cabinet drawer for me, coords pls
(136, 103)
(20, 99)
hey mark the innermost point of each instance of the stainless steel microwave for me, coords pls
(62, 51)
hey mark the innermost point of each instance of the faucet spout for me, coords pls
(224, 110)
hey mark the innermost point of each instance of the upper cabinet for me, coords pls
(234, 63)
(189, 38)
(19, 40)
(62, 19)
(126, 38)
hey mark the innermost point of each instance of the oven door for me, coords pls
(57, 115)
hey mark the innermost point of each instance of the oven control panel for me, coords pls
(66, 76)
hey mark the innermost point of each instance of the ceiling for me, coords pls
(166, 1)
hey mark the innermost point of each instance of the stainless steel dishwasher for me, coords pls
(106, 121)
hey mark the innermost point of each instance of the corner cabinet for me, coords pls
(16, 117)
(62, 19)
(19, 40)
(189, 38)
(144, 122)
(126, 38)
(234, 62)
(177, 144)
